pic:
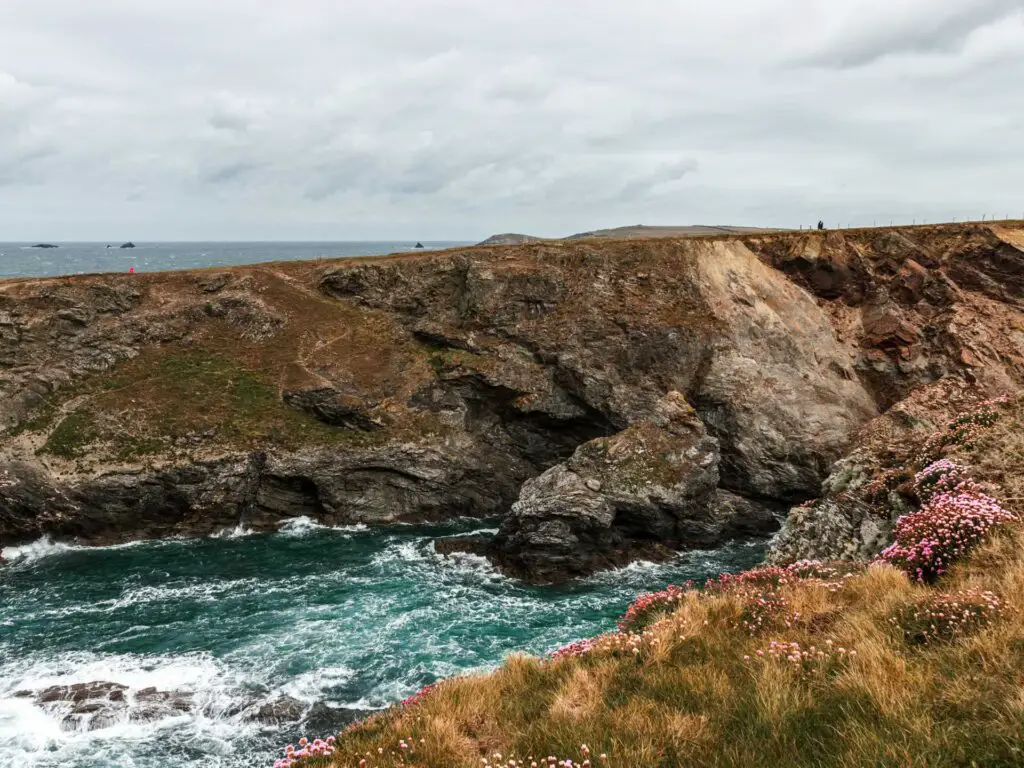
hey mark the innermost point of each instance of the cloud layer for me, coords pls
(426, 119)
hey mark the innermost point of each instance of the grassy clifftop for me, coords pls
(809, 665)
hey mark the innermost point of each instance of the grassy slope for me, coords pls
(133, 411)
(687, 696)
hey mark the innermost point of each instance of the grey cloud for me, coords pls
(232, 172)
(21, 167)
(251, 118)
(933, 28)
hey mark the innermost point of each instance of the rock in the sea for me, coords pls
(45, 245)
(129, 244)
(284, 709)
(151, 704)
(91, 706)
(644, 491)
(82, 693)
(324, 720)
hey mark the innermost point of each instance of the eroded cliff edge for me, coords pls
(603, 398)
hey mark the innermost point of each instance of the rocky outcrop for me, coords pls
(424, 386)
(870, 488)
(95, 705)
(645, 491)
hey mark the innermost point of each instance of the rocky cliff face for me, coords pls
(602, 398)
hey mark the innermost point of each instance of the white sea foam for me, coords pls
(32, 735)
(316, 684)
(36, 550)
(303, 526)
(469, 564)
(46, 547)
(238, 532)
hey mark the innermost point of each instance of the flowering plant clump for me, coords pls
(964, 430)
(944, 618)
(308, 753)
(764, 606)
(646, 609)
(419, 696)
(497, 760)
(831, 575)
(771, 576)
(580, 647)
(806, 659)
(948, 526)
(941, 476)
(612, 643)
(763, 576)
(765, 609)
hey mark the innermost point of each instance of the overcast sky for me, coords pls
(335, 119)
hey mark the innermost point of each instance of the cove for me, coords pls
(355, 618)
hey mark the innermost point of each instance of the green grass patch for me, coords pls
(72, 435)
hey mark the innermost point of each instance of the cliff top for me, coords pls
(449, 378)
(516, 245)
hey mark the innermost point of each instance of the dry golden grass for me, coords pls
(689, 698)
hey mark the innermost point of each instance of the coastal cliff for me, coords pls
(604, 399)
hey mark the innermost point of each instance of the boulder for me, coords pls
(640, 492)
(324, 720)
(284, 709)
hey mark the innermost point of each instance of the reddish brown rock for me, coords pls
(419, 387)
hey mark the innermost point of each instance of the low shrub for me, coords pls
(807, 659)
(962, 431)
(928, 541)
(942, 476)
(648, 608)
(308, 754)
(944, 618)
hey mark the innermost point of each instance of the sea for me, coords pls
(24, 260)
(356, 619)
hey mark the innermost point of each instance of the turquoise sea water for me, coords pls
(351, 617)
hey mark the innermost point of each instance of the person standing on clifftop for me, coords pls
(821, 225)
